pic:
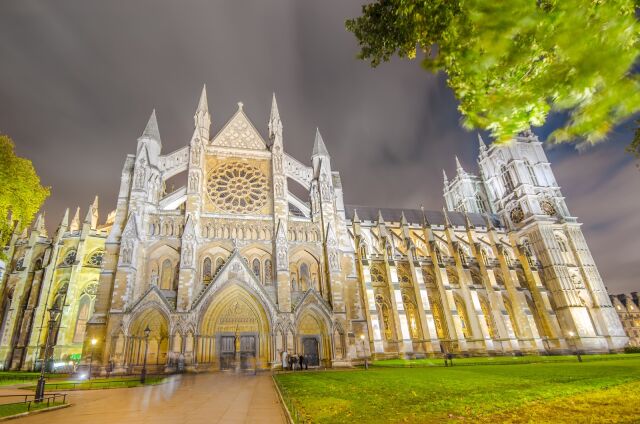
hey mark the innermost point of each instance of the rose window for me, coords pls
(238, 187)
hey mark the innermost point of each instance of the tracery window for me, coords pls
(412, 317)
(83, 316)
(386, 318)
(206, 271)
(512, 316)
(304, 276)
(507, 180)
(167, 275)
(485, 257)
(480, 204)
(255, 267)
(462, 313)
(564, 249)
(463, 257)
(532, 173)
(95, 259)
(268, 271)
(219, 264)
(19, 264)
(238, 187)
(486, 311)
(377, 275)
(70, 258)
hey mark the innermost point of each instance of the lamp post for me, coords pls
(143, 375)
(575, 345)
(364, 352)
(53, 317)
(93, 345)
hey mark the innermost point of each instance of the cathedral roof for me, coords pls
(414, 216)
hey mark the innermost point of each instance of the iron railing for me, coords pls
(29, 401)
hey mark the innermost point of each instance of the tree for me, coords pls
(21, 193)
(512, 63)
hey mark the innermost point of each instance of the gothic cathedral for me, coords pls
(232, 269)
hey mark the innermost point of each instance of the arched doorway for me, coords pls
(313, 340)
(234, 332)
(156, 345)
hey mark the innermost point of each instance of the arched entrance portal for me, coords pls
(313, 339)
(234, 332)
(156, 345)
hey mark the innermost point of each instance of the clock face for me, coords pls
(547, 207)
(516, 214)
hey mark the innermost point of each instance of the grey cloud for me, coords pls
(79, 79)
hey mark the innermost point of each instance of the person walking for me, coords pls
(285, 360)
(303, 361)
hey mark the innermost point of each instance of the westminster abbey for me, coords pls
(232, 269)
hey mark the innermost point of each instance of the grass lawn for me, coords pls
(554, 392)
(18, 408)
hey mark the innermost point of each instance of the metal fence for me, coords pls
(29, 401)
(107, 383)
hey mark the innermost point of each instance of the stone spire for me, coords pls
(65, 219)
(92, 214)
(75, 222)
(459, 169)
(151, 131)
(467, 221)
(483, 145)
(444, 176)
(424, 217)
(275, 124)
(39, 225)
(202, 118)
(319, 149)
(403, 219)
(355, 218)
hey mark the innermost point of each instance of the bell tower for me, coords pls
(523, 191)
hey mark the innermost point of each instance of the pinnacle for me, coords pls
(151, 130)
(355, 218)
(444, 175)
(275, 125)
(459, 167)
(275, 114)
(481, 142)
(65, 218)
(203, 105)
(319, 149)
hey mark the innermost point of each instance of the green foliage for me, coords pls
(632, 349)
(512, 63)
(21, 192)
(543, 392)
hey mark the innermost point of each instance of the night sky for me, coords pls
(78, 80)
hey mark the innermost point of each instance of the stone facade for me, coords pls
(628, 308)
(233, 269)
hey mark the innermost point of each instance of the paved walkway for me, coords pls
(188, 399)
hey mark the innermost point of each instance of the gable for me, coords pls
(239, 132)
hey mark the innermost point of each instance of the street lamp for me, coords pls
(93, 345)
(143, 375)
(364, 352)
(575, 345)
(53, 317)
